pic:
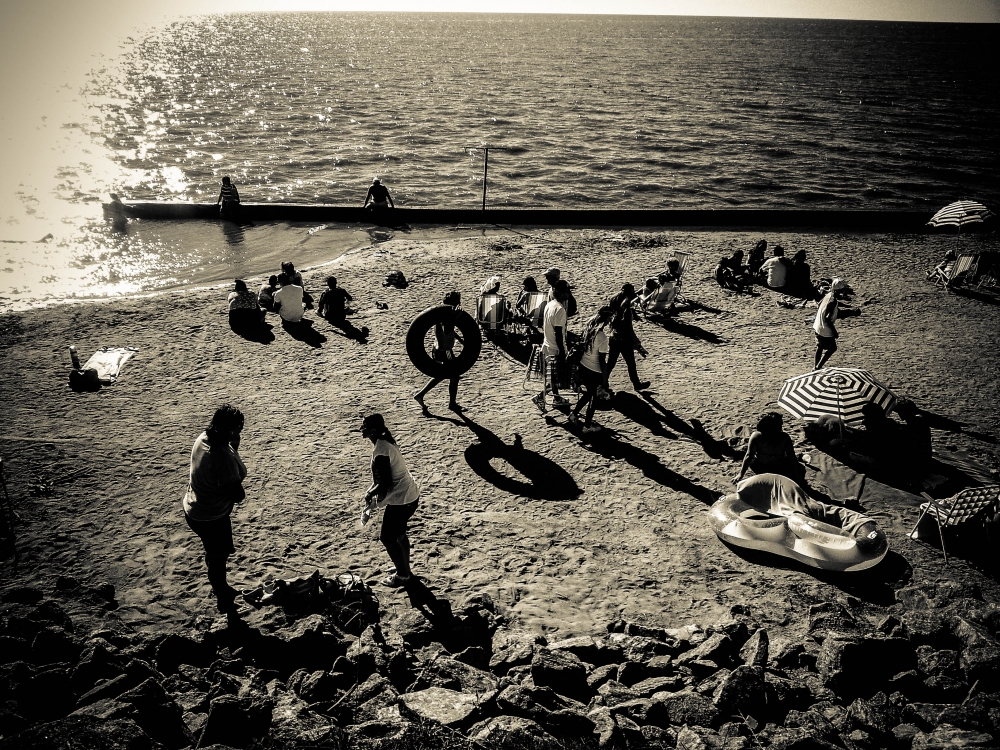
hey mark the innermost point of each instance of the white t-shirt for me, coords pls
(828, 307)
(598, 346)
(404, 490)
(777, 272)
(290, 297)
(555, 317)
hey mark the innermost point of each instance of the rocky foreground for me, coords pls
(921, 674)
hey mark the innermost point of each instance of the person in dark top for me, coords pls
(624, 342)
(228, 200)
(444, 344)
(378, 196)
(756, 258)
(333, 301)
(800, 277)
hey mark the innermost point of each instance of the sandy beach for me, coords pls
(566, 533)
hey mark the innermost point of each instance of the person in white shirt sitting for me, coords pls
(774, 272)
(288, 300)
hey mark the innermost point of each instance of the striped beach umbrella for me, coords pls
(839, 391)
(960, 214)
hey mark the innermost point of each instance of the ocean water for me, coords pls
(582, 111)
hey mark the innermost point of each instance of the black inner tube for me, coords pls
(466, 327)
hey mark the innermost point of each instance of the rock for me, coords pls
(632, 672)
(971, 635)
(755, 651)
(46, 695)
(175, 650)
(716, 648)
(904, 734)
(106, 709)
(629, 730)
(936, 595)
(982, 663)
(562, 671)
(930, 627)
(690, 740)
(374, 699)
(619, 646)
(512, 731)
(798, 739)
(637, 709)
(876, 716)
(653, 685)
(80, 732)
(608, 734)
(646, 631)
(601, 675)
(942, 689)
(813, 722)
(96, 665)
(439, 705)
(107, 690)
(892, 626)
(931, 661)
(513, 649)
(227, 724)
(293, 725)
(534, 703)
(317, 687)
(474, 656)
(783, 695)
(788, 656)
(614, 693)
(53, 645)
(656, 737)
(310, 644)
(443, 671)
(742, 692)
(378, 650)
(910, 683)
(710, 684)
(569, 722)
(924, 715)
(973, 714)
(684, 707)
(22, 595)
(13, 649)
(584, 648)
(158, 714)
(946, 737)
(857, 666)
(415, 629)
(829, 618)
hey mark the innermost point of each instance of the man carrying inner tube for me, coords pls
(444, 345)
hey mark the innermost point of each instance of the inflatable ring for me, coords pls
(799, 536)
(472, 342)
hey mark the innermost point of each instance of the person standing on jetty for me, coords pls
(379, 196)
(394, 489)
(825, 324)
(215, 486)
(554, 345)
(229, 198)
(624, 342)
(444, 344)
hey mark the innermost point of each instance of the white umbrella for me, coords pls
(960, 214)
(838, 391)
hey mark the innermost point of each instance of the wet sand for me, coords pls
(566, 533)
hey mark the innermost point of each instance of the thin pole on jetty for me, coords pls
(486, 162)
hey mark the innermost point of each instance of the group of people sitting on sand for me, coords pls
(792, 277)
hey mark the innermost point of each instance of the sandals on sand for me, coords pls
(396, 581)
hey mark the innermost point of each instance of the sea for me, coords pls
(579, 111)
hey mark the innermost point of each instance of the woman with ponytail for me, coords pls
(593, 366)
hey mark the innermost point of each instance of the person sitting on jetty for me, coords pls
(799, 280)
(756, 258)
(295, 277)
(265, 297)
(774, 272)
(333, 301)
(117, 212)
(378, 196)
(244, 311)
(288, 300)
(228, 200)
(770, 451)
(443, 351)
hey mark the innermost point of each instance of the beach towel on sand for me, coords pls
(108, 362)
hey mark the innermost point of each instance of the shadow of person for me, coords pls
(516, 347)
(947, 424)
(305, 332)
(348, 330)
(542, 478)
(690, 330)
(636, 409)
(435, 610)
(260, 334)
(608, 445)
(714, 448)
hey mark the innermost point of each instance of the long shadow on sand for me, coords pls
(348, 330)
(305, 332)
(517, 348)
(947, 424)
(262, 334)
(543, 478)
(608, 445)
(690, 330)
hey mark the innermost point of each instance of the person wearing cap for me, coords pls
(392, 488)
(552, 276)
(825, 323)
(624, 342)
(444, 344)
(554, 345)
(379, 196)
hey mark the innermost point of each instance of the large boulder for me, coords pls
(512, 648)
(373, 700)
(562, 671)
(235, 722)
(876, 716)
(584, 647)
(97, 664)
(784, 695)
(742, 692)
(446, 672)
(947, 737)
(613, 692)
(54, 645)
(619, 646)
(717, 648)
(684, 707)
(158, 714)
(830, 618)
(982, 663)
(309, 643)
(938, 595)
(854, 667)
(83, 732)
(46, 695)
(294, 725)
(755, 651)
(512, 731)
(175, 650)
(379, 650)
(440, 706)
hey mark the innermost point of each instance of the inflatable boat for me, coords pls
(771, 513)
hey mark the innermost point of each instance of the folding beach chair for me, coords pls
(966, 506)
(529, 313)
(491, 312)
(956, 272)
(682, 259)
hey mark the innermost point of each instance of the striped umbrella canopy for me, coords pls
(959, 214)
(838, 391)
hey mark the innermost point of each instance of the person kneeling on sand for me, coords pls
(392, 488)
(288, 300)
(770, 451)
(554, 345)
(215, 486)
(444, 344)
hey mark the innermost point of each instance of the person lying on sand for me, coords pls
(770, 451)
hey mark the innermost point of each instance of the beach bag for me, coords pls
(346, 588)
(396, 279)
(357, 603)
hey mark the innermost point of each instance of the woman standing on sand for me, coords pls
(394, 489)
(593, 367)
(216, 485)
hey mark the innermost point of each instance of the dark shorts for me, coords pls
(826, 342)
(591, 380)
(216, 536)
(394, 520)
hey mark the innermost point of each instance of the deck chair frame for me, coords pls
(960, 508)
(964, 266)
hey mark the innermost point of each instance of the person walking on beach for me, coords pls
(392, 488)
(229, 198)
(444, 344)
(214, 487)
(593, 367)
(378, 196)
(825, 323)
(624, 342)
(554, 345)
